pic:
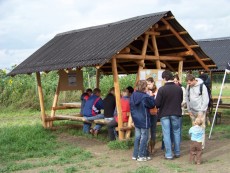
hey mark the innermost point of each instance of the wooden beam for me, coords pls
(41, 99)
(170, 35)
(169, 66)
(135, 49)
(180, 70)
(169, 18)
(176, 48)
(148, 57)
(185, 53)
(162, 28)
(184, 43)
(143, 53)
(156, 53)
(118, 100)
(125, 50)
(122, 68)
(152, 33)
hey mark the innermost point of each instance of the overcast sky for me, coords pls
(26, 25)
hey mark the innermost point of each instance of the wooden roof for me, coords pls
(124, 40)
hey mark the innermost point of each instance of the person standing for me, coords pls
(197, 100)
(196, 132)
(140, 103)
(168, 100)
(152, 91)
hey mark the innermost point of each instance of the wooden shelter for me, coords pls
(153, 41)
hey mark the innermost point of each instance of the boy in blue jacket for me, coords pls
(140, 103)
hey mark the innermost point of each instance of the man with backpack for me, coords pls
(197, 99)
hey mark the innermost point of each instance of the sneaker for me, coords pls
(142, 159)
(177, 156)
(91, 131)
(134, 158)
(96, 132)
(168, 158)
(148, 158)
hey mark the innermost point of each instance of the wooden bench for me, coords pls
(72, 105)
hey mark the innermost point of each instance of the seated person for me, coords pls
(125, 107)
(84, 97)
(109, 103)
(92, 111)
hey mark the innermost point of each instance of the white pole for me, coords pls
(214, 117)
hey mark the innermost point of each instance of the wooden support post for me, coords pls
(56, 98)
(118, 99)
(97, 77)
(41, 99)
(154, 42)
(180, 69)
(143, 53)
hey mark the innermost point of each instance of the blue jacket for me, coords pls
(93, 106)
(140, 103)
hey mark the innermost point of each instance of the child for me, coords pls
(125, 107)
(140, 103)
(196, 132)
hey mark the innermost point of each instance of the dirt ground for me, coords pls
(216, 157)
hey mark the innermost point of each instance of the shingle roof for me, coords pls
(218, 49)
(96, 46)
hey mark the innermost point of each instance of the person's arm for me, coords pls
(149, 102)
(187, 100)
(99, 105)
(158, 98)
(205, 99)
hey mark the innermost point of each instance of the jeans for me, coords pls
(111, 130)
(87, 126)
(171, 123)
(153, 127)
(140, 142)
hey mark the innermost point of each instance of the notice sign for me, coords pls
(156, 74)
(72, 79)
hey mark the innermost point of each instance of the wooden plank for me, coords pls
(149, 57)
(97, 78)
(180, 70)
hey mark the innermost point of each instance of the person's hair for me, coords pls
(130, 89)
(177, 77)
(198, 121)
(204, 77)
(89, 90)
(111, 90)
(96, 90)
(167, 75)
(150, 79)
(190, 77)
(124, 92)
(141, 85)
